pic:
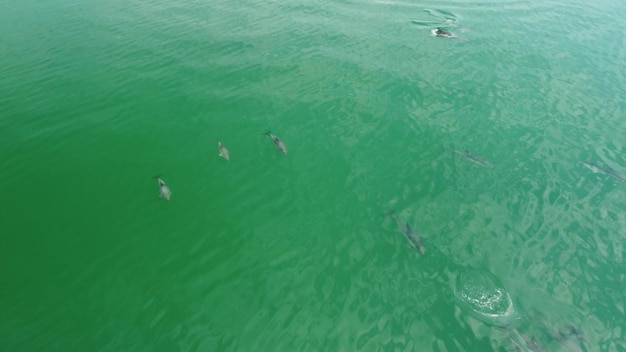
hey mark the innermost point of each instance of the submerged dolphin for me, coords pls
(279, 143)
(523, 342)
(223, 150)
(163, 189)
(413, 237)
(474, 158)
(595, 168)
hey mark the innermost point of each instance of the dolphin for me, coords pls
(279, 143)
(164, 190)
(593, 167)
(571, 330)
(598, 169)
(474, 158)
(223, 150)
(442, 33)
(571, 338)
(413, 237)
(523, 342)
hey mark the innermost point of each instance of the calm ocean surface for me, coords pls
(503, 149)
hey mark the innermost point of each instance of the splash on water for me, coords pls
(481, 294)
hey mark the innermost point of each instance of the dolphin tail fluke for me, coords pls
(157, 176)
(267, 133)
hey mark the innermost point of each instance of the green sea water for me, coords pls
(503, 148)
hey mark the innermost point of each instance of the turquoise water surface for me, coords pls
(500, 151)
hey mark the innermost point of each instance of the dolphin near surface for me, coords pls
(163, 189)
(413, 236)
(474, 158)
(442, 33)
(607, 170)
(279, 143)
(223, 150)
(439, 32)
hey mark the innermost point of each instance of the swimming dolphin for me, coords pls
(442, 33)
(413, 237)
(597, 169)
(223, 150)
(523, 342)
(279, 143)
(571, 339)
(474, 158)
(164, 190)
(571, 330)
